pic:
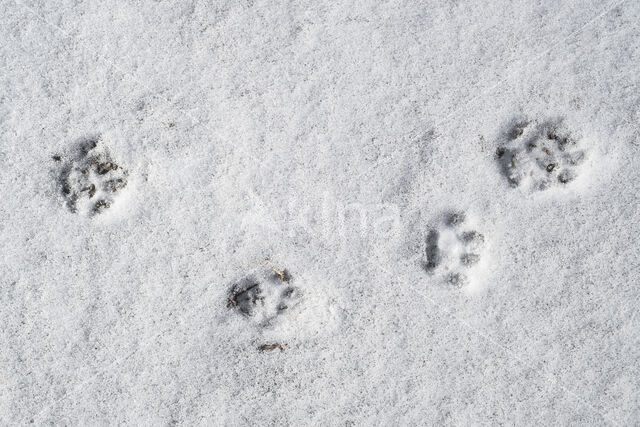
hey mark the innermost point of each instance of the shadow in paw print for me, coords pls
(432, 251)
(245, 295)
(454, 219)
(539, 155)
(89, 179)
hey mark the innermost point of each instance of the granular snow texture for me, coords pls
(329, 213)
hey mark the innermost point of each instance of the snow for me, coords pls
(324, 138)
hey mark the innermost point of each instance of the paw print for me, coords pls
(263, 298)
(453, 250)
(538, 156)
(90, 180)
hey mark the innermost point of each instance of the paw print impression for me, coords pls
(453, 250)
(90, 180)
(265, 297)
(538, 156)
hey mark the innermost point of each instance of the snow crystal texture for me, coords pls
(320, 213)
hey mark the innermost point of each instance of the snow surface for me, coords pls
(324, 138)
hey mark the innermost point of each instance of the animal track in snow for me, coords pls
(262, 298)
(453, 250)
(277, 311)
(538, 156)
(90, 180)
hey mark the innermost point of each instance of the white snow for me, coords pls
(326, 138)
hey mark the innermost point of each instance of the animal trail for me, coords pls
(90, 180)
(538, 156)
(453, 250)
